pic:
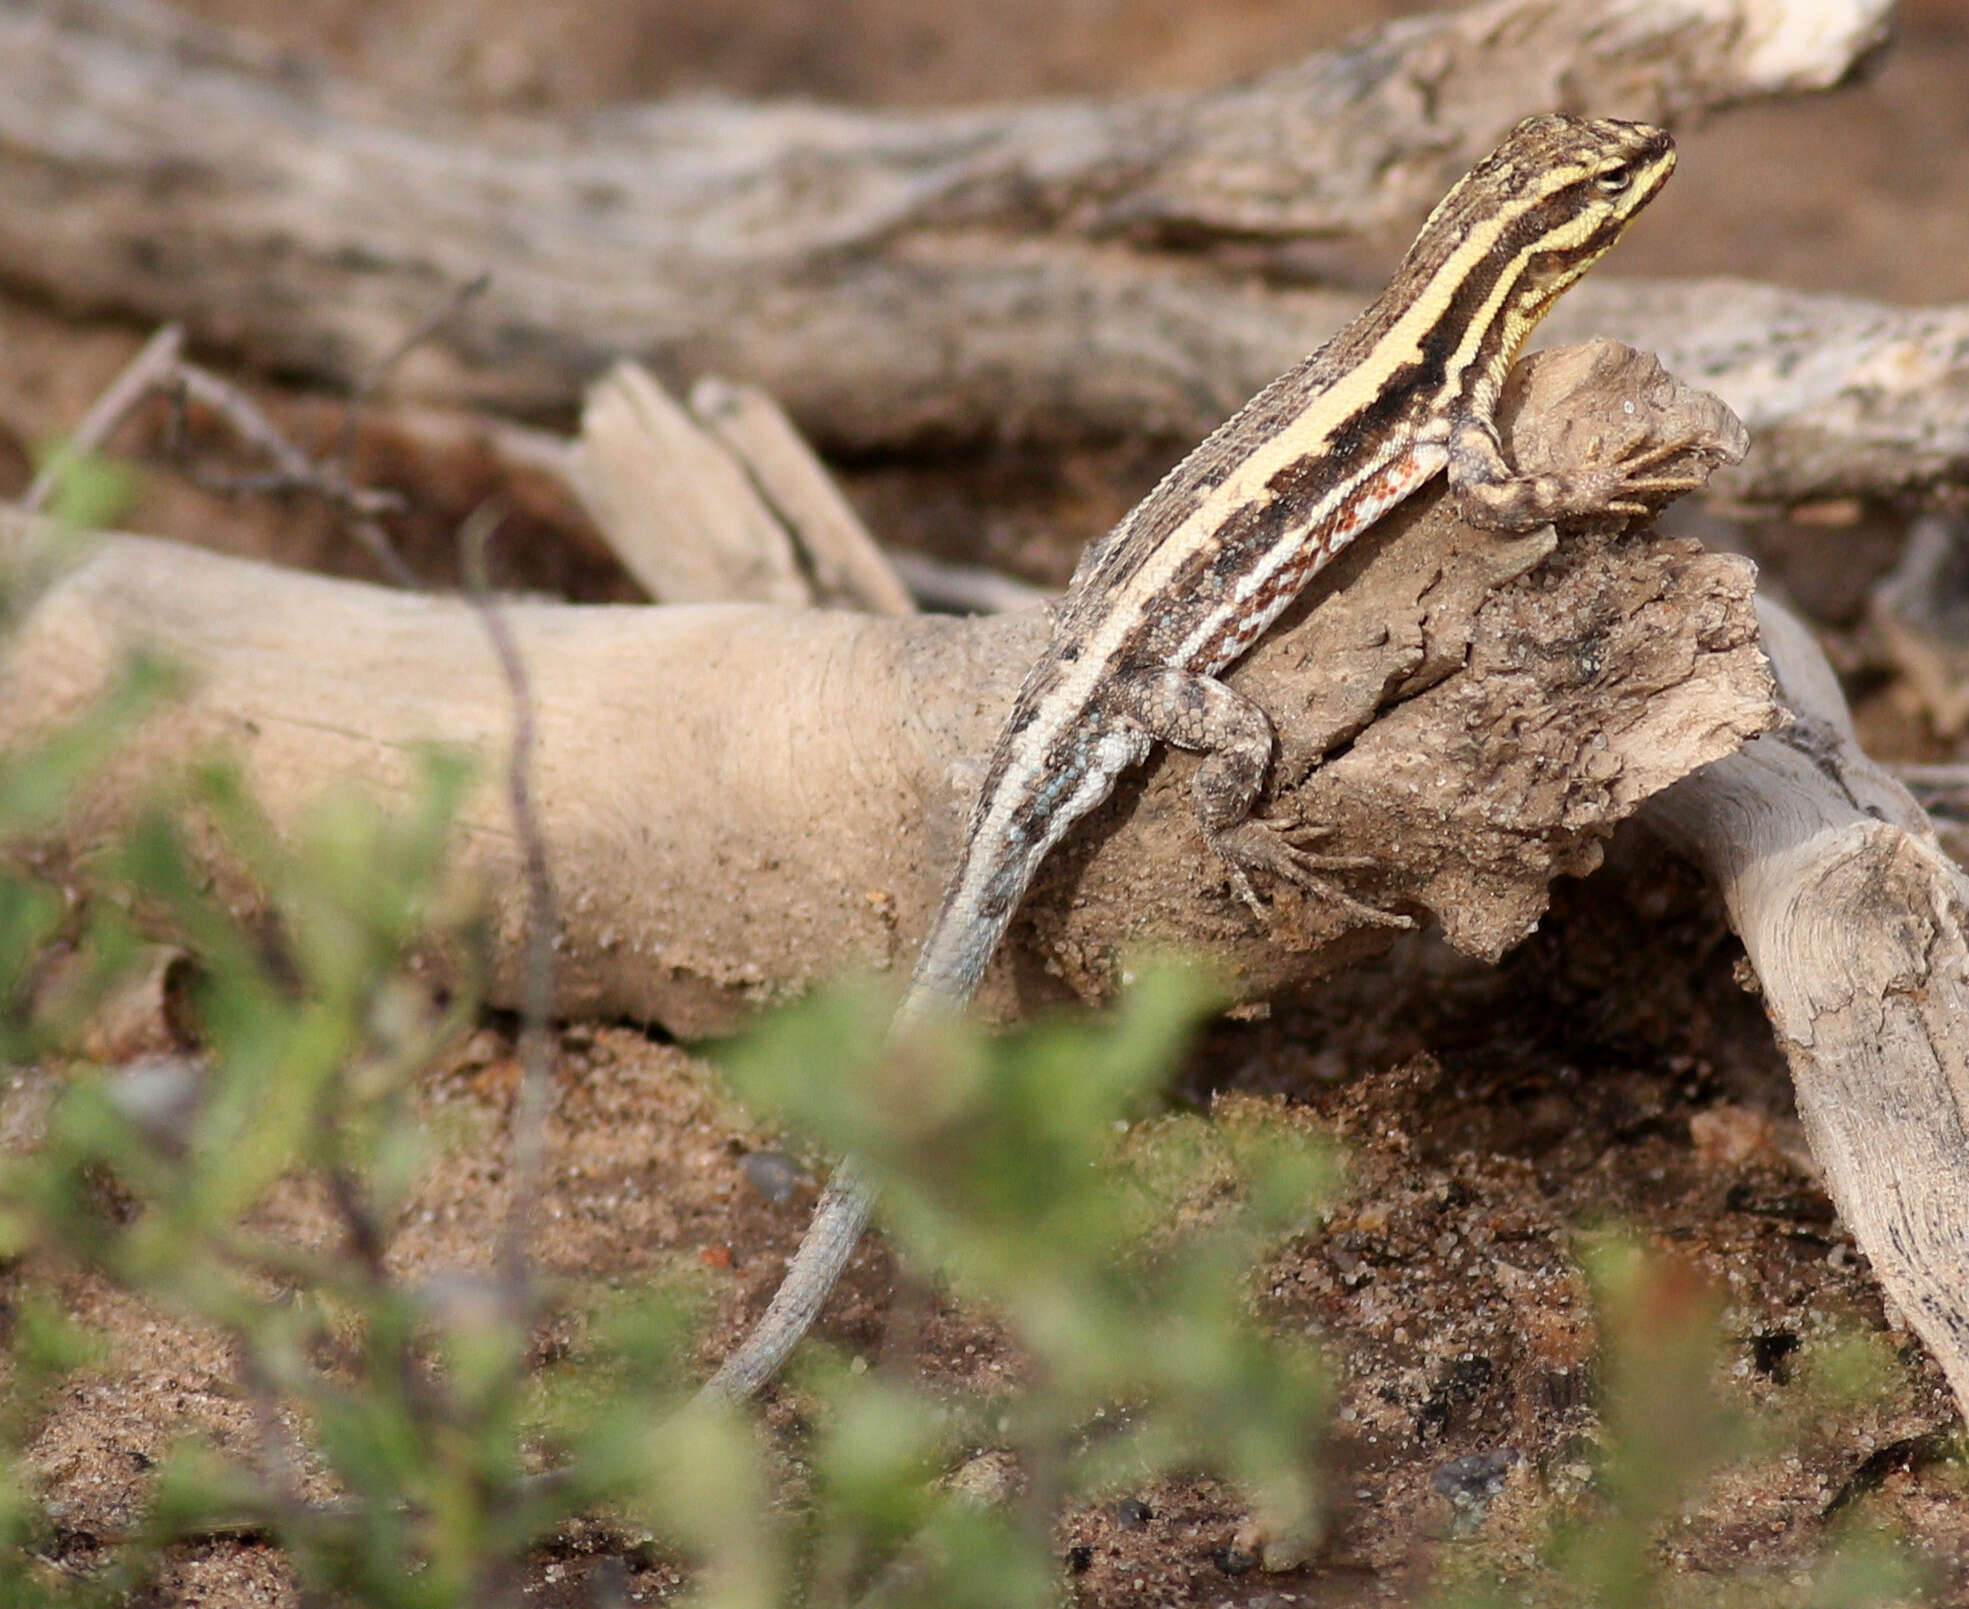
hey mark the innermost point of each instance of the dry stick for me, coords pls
(848, 567)
(967, 589)
(1943, 790)
(281, 1461)
(369, 384)
(1855, 922)
(721, 500)
(537, 974)
(294, 470)
(159, 367)
(678, 509)
(364, 525)
(1033, 271)
(156, 361)
(1914, 613)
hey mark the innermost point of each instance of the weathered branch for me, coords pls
(893, 278)
(1916, 615)
(721, 501)
(740, 800)
(1354, 141)
(1855, 922)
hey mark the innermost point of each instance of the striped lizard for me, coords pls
(1197, 572)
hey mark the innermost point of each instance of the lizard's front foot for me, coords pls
(1255, 845)
(1620, 485)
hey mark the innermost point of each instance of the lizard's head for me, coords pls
(1553, 197)
(1574, 183)
(1523, 224)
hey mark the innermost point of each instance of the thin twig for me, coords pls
(369, 384)
(281, 1460)
(331, 479)
(1939, 780)
(537, 979)
(1942, 790)
(964, 588)
(367, 1237)
(293, 471)
(153, 365)
(288, 1514)
(159, 367)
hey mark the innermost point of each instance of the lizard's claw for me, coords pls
(1617, 487)
(1268, 847)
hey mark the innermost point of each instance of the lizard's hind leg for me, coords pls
(1204, 716)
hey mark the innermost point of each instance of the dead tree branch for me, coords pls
(740, 800)
(1858, 927)
(1074, 268)
(721, 501)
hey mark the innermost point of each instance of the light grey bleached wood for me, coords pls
(1843, 396)
(965, 589)
(848, 568)
(721, 501)
(673, 503)
(1853, 919)
(1917, 616)
(903, 279)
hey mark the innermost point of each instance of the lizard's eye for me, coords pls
(1614, 180)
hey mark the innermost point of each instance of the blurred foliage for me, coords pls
(1010, 1162)
(1666, 1427)
(91, 490)
(85, 492)
(411, 1446)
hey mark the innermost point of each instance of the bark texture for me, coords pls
(740, 799)
(1854, 920)
(1073, 268)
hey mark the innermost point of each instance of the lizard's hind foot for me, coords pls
(1258, 845)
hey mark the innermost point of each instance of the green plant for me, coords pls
(412, 1450)
(408, 1455)
(1010, 1162)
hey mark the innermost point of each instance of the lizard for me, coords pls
(1189, 580)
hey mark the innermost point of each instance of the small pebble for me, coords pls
(1234, 1561)
(992, 1478)
(1131, 1513)
(1274, 1551)
(1472, 1481)
(774, 1174)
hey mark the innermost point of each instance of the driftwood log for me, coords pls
(1079, 268)
(739, 800)
(1857, 926)
(1851, 913)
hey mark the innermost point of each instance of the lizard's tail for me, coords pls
(943, 982)
(824, 1251)
(976, 911)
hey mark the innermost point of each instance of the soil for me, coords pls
(1613, 1071)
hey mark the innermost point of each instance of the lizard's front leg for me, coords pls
(1204, 716)
(1493, 496)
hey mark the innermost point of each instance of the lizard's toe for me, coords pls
(1262, 846)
